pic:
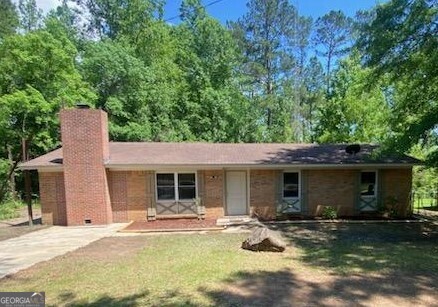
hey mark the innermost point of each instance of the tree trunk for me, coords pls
(11, 177)
(311, 102)
(329, 60)
(268, 111)
(27, 181)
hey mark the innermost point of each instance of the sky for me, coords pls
(233, 9)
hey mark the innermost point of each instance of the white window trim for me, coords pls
(299, 185)
(376, 186)
(175, 178)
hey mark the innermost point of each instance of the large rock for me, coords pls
(263, 239)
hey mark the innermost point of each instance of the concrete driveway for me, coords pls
(22, 252)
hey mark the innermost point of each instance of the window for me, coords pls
(176, 186)
(186, 186)
(291, 184)
(368, 183)
(165, 186)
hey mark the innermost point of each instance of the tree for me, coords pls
(313, 97)
(8, 18)
(31, 16)
(333, 34)
(37, 77)
(63, 21)
(401, 44)
(266, 34)
(110, 18)
(354, 112)
(166, 83)
(207, 55)
(424, 178)
(296, 83)
(121, 82)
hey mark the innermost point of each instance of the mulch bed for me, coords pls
(172, 225)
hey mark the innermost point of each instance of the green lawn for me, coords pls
(12, 209)
(330, 264)
(425, 203)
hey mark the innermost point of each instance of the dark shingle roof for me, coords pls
(204, 154)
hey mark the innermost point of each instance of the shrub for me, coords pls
(329, 212)
(10, 209)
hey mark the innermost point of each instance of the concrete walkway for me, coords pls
(22, 252)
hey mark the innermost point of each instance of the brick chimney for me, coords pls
(85, 143)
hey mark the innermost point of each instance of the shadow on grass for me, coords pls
(145, 298)
(347, 248)
(284, 288)
(69, 299)
(435, 208)
(262, 288)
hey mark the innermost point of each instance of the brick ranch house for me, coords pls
(93, 181)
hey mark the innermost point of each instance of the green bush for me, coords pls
(4, 169)
(10, 209)
(329, 213)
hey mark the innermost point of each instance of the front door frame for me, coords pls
(247, 187)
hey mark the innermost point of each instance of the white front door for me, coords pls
(236, 193)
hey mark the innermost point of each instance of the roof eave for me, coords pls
(41, 167)
(139, 166)
(254, 166)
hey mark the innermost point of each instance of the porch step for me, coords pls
(176, 216)
(235, 220)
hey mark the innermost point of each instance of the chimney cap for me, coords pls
(82, 106)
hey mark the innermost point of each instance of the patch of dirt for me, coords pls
(110, 248)
(429, 214)
(16, 231)
(23, 219)
(16, 227)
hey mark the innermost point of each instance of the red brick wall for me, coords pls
(117, 182)
(396, 188)
(52, 197)
(336, 188)
(131, 193)
(139, 195)
(211, 192)
(85, 149)
(263, 193)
